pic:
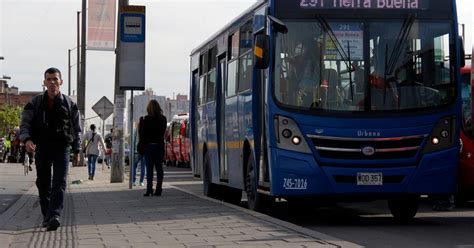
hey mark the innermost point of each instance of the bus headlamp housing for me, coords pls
(442, 136)
(289, 136)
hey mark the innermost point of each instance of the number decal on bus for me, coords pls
(295, 183)
(310, 3)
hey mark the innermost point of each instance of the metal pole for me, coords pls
(117, 170)
(132, 143)
(69, 72)
(81, 90)
(78, 63)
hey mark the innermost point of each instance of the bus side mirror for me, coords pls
(462, 53)
(278, 25)
(261, 51)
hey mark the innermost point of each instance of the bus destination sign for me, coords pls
(364, 4)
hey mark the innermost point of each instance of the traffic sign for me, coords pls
(104, 108)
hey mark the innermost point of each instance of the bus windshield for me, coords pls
(355, 65)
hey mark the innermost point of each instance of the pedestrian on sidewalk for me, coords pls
(108, 148)
(50, 127)
(151, 132)
(139, 158)
(92, 141)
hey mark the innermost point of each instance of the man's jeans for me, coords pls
(91, 160)
(51, 194)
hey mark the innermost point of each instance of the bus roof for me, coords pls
(226, 27)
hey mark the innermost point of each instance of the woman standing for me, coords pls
(151, 131)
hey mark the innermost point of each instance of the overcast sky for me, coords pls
(36, 34)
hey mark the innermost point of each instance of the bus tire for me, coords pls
(404, 209)
(255, 200)
(209, 189)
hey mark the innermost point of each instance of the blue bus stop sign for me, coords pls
(132, 28)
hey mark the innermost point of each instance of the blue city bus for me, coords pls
(329, 99)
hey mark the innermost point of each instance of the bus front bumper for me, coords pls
(296, 174)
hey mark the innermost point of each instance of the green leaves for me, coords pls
(10, 118)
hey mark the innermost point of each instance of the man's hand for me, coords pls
(30, 146)
(76, 159)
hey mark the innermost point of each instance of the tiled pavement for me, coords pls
(100, 214)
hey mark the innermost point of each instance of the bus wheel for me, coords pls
(404, 209)
(210, 189)
(255, 200)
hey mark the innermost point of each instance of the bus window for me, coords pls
(203, 64)
(231, 77)
(211, 76)
(234, 46)
(246, 37)
(211, 85)
(245, 71)
(202, 90)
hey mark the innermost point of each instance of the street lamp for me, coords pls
(69, 70)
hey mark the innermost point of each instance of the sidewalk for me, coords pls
(100, 214)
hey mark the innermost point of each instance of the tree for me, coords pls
(10, 117)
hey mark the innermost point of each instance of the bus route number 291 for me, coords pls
(295, 183)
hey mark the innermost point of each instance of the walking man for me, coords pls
(50, 127)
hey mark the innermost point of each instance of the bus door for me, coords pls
(221, 74)
(194, 119)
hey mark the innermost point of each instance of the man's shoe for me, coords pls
(142, 184)
(148, 194)
(157, 193)
(30, 168)
(44, 223)
(53, 224)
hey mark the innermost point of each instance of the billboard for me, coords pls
(101, 25)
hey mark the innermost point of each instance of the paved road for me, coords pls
(13, 184)
(371, 224)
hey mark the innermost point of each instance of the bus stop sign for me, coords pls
(104, 108)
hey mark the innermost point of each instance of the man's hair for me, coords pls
(53, 70)
(92, 127)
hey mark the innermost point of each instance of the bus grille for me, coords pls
(367, 148)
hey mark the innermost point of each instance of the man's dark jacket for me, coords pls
(58, 126)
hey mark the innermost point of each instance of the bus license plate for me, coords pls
(369, 179)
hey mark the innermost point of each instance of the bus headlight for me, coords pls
(435, 141)
(443, 135)
(296, 140)
(289, 136)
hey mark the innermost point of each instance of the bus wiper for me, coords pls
(402, 36)
(396, 51)
(339, 48)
